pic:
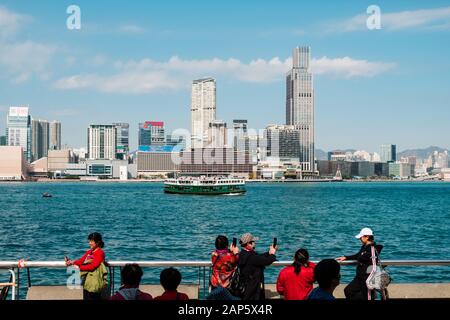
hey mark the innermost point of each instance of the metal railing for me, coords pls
(204, 268)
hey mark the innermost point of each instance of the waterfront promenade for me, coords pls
(25, 288)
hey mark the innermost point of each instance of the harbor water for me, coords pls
(139, 221)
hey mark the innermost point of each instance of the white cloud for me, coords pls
(10, 22)
(347, 67)
(148, 75)
(22, 60)
(438, 19)
(130, 29)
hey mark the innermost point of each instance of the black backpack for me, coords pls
(238, 283)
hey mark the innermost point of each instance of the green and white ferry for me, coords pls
(205, 185)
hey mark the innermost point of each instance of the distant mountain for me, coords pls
(321, 155)
(420, 153)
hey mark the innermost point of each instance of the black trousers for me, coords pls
(91, 295)
(357, 290)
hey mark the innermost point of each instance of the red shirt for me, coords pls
(91, 260)
(224, 264)
(172, 295)
(293, 286)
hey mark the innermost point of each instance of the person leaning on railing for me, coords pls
(295, 282)
(93, 269)
(357, 288)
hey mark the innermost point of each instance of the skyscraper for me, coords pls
(102, 141)
(203, 110)
(55, 135)
(240, 135)
(18, 131)
(151, 133)
(388, 153)
(300, 104)
(123, 143)
(217, 134)
(40, 139)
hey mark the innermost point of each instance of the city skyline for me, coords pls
(367, 94)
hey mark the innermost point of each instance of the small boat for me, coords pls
(46, 195)
(205, 185)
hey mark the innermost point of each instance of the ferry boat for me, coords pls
(205, 185)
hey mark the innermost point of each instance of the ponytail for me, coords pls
(301, 258)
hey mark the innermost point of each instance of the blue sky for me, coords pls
(134, 61)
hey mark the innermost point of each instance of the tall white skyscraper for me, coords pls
(40, 139)
(18, 131)
(300, 104)
(102, 141)
(55, 135)
(203, 110)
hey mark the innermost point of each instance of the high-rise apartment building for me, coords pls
(300, 104)
(55, 135)
(203, 110)
(40, 139)
(151, 133)
(102, 142)
(18, 130)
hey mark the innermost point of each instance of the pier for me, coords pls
(200, 288)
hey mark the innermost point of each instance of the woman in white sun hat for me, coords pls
(357, 288)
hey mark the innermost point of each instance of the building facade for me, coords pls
(123, 140)
(102, 142)
(215, 161)
(283, 142)
(18, 131)
(40, 139)
(12, 163)
(300, 104)
(240, 135)
(55, 135)
(151, 133)
(217, 134)
(203, 110)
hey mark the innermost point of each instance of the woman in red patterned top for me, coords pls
(224, 263)
(90, 261)
(296, 281)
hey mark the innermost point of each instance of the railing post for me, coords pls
(29, 277)
(18, 283)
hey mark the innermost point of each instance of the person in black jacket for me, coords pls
(252, 266)
(357, 288)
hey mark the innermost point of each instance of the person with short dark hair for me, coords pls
(131, 276)
(357, 288)
(170, 279)
(93, 259)
(295, 282)
(327, 274)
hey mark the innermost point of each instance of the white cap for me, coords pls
(364, 232)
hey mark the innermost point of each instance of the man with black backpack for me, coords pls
(251, 267)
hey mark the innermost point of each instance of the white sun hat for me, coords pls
(364, 232)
